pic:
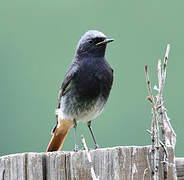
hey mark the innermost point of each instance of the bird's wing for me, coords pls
(66, 86)
(67, 82)
(57, 139)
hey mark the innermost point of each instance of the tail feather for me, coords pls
(59, 135)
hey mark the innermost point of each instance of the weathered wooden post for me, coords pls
(116, 163)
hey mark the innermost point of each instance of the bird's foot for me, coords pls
(76, 148)
(96, 146)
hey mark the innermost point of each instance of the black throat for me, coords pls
(93, 52)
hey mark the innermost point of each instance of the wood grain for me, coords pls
(116, 163)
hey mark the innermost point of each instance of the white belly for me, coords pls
(84, 116)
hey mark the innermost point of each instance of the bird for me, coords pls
(84, 90)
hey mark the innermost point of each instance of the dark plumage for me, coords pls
(86, 85)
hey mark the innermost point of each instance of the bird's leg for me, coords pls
(91, 130)
(76, 148)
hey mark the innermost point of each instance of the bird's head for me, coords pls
(92, 43)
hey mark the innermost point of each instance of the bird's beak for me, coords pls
(104, 42)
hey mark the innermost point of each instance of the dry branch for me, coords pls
(160, 118)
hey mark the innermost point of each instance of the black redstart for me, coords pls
(85, 88)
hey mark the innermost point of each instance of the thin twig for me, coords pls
(159, 74)
(151, 99)
(163, 77)
(168, 134)
(89, 158)
(161, 143)
(154, 129)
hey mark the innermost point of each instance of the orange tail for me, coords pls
(59, 136)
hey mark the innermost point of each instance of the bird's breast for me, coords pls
(93, 78)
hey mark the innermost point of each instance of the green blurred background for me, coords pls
(37, 43)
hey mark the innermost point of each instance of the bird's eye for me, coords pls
(90, 41)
